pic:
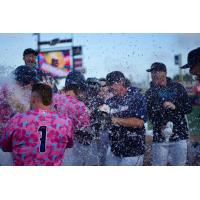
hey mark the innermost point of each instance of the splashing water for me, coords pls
(17, 97)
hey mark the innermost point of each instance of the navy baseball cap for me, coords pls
(25, 75)
(157, 67)
(192, 59)
(30, 51)
(75, 78)
(114, 77)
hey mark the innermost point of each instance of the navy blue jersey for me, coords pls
(159, 116)
(128, 141)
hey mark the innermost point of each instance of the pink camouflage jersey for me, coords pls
(71, 107)
(5, 109)
(37, 137)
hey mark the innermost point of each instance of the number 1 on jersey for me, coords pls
(43, 131)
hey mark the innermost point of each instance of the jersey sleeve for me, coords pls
(139, 107)
(7, 136)
(70, 134)
(83, 117)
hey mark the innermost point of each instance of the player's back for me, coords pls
(38, 137)
(71, 107)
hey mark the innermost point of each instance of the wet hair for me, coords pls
(30, 51)
(44, 92)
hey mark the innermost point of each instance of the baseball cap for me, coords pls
(157, 67)
(25, 74)
(93, 81)
(102, 82)
(114, 77)
(75, 78)
(30, 51)
(192, 59)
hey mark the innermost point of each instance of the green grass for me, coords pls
(194, 121)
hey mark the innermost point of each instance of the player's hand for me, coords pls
(115, 120)
(169, 105)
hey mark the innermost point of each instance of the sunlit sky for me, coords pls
(102, 53)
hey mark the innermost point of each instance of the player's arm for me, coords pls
(184, 105)
(128, 122)
(70, 135)
(138, 113)
(82, 130)
(70, 143)
(6, 138)
(84, 117)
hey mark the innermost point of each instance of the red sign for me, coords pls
(78, 62)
